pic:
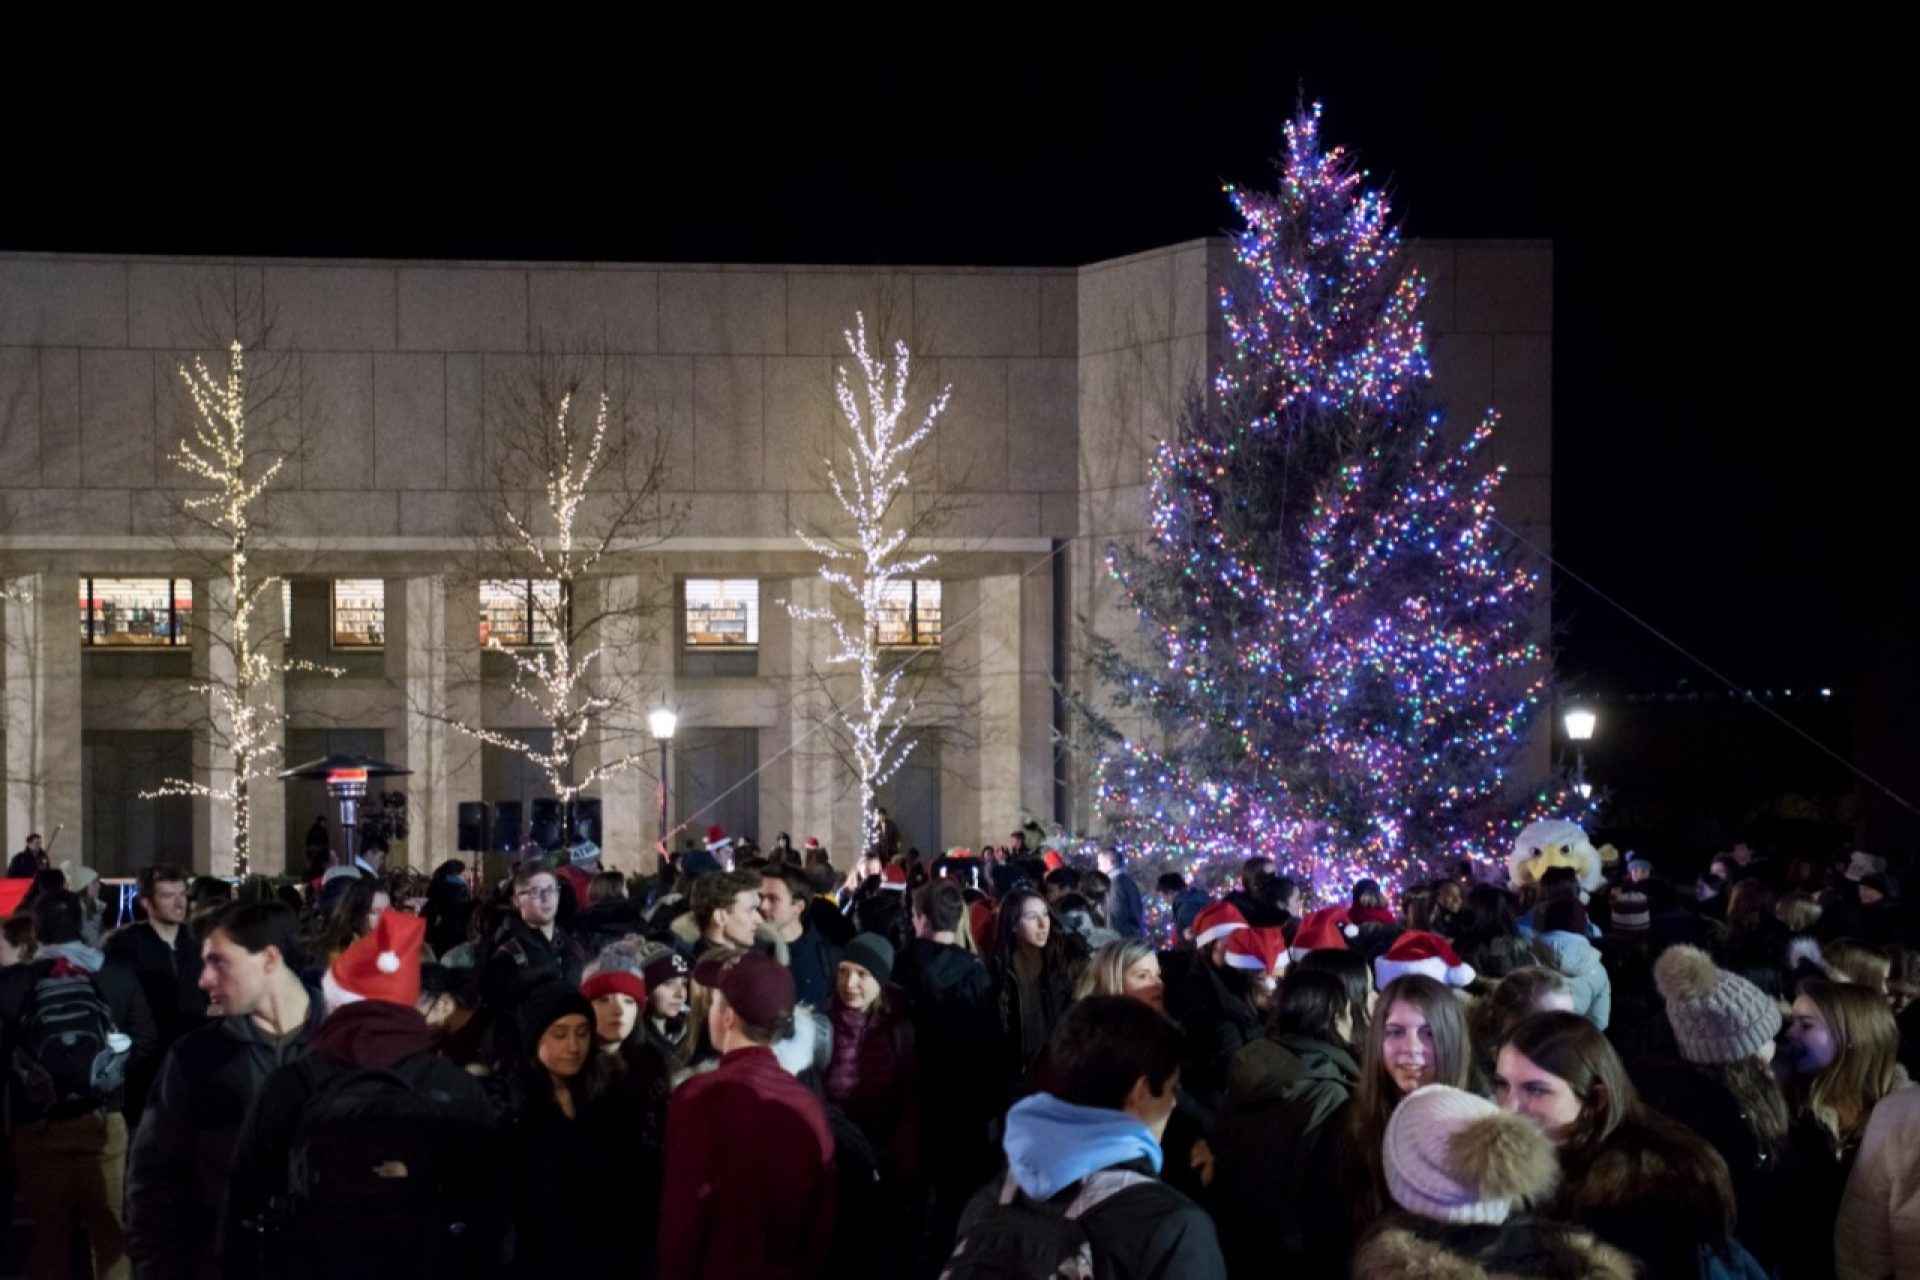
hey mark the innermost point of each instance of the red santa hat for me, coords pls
(1215, 921)
(384, 965)
(1324, 930)
(1416, 951)
(1053, 860)
(718, 842)
(893, 876)
(813, 842)
(1258, 950)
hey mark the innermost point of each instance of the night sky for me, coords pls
(1727, 237)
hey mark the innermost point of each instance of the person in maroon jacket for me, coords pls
(743, 1127)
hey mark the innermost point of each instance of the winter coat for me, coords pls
(606, 923)
(1219, 1023)
(732, 1133)
(957, 1036)
(1878, 1232)
(118, 987)
(1575, 957)
(814, 963)
(1286, 1097)
(873, 1078)
(366, 1035)
(1053, 992)
(1762, 1179)
(1147, 1231)
(521, 958)
(169, 978)
(1404, 1246)
(1126, 914)
(1653, 1189)
(177, 1172)
(575, 1176)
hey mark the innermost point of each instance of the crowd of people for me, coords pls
(1005, 1063)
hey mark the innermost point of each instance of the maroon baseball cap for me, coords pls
(759, 988)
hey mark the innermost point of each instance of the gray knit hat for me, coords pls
(1452, 1156)
(873, 953)
(1716, 1016)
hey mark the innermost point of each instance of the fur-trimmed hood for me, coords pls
(1522, 1248)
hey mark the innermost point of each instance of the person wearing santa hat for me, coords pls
(1213, 1003)
(369, 1102)
(1328, 929)
(1262, 955)
(1422, 953)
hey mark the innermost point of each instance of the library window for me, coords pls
(723, 612)
(520, 613)
(359, 613)
(135, 612)
(910, 613)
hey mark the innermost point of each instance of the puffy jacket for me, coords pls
(1285, 1099)
(1406, 1246)
(177, 1173)
(1878, 1233)
(872, 1078)
(1576, 957)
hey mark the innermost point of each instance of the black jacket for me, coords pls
(1147, 1231)
(957, 1035)
(121, 992)
(814, 963)
(1286, 1100)
(1219, 1023)
(521, 958)
(178, 1170)
(169, 976)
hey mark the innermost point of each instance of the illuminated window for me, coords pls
(520, 613)
(359, 613)
(910, 613)
(135, 612)
(723, 612)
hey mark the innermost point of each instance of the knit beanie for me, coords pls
(546, 1004)
(615, 971)
(873, 953)
(1454, 1157)
(1716, 1016)
(1631, 914)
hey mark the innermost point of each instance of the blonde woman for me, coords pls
(1128, 967)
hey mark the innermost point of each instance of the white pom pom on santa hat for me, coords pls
(1429, 954)
(389, 962)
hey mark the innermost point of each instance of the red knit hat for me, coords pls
(384, 965)
(1416, 951)
(615, 982)
(1324, 930)
(1257, 950)
(1215, 921)
(1053, 860)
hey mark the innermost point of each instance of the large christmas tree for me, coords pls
(1343, 662)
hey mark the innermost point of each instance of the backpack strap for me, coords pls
(1097, 1188)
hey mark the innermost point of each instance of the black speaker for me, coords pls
(544, 829)
(506, 825)
(586, 819)
(474, 821)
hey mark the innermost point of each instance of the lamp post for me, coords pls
(1580, 723)
(663, 722)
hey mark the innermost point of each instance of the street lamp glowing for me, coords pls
(1580, 724)
(662, 722)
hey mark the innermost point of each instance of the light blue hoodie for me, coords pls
(1051, 1144)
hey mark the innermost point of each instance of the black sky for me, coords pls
(1730, 241)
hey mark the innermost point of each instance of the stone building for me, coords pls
(1062, 380)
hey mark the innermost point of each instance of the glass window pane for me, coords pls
(894, 622)
(520, 612)
(547, 619)
(359, 613)
(926, 611)
(120, 612)
(723, 611)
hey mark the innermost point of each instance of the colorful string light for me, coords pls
(1343, 664)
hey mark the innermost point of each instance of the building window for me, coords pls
(519, 613)
(910, 613)
(723, 612)
(359, 613)
(135, 612)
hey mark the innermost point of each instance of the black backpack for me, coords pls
(64, 1053)
(379, 1176)
(1018, 1239)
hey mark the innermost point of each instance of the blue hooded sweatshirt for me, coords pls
(1051, 1144)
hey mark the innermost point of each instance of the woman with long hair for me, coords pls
(1842, 1048)
(1418, 1037)
(1487, 935)
(449, 904)
(1035, 965)
(1128, 967)
(1356, 975)
(1639, 1181)
(1526, 991)
(354, 914)
(1721, 1085)
(1285, 1095)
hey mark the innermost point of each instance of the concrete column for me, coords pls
(433, 655)
(42, 712)
(632, 629)
(809, 792)
(1004, 652)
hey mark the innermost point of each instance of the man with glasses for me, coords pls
(531, 948)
